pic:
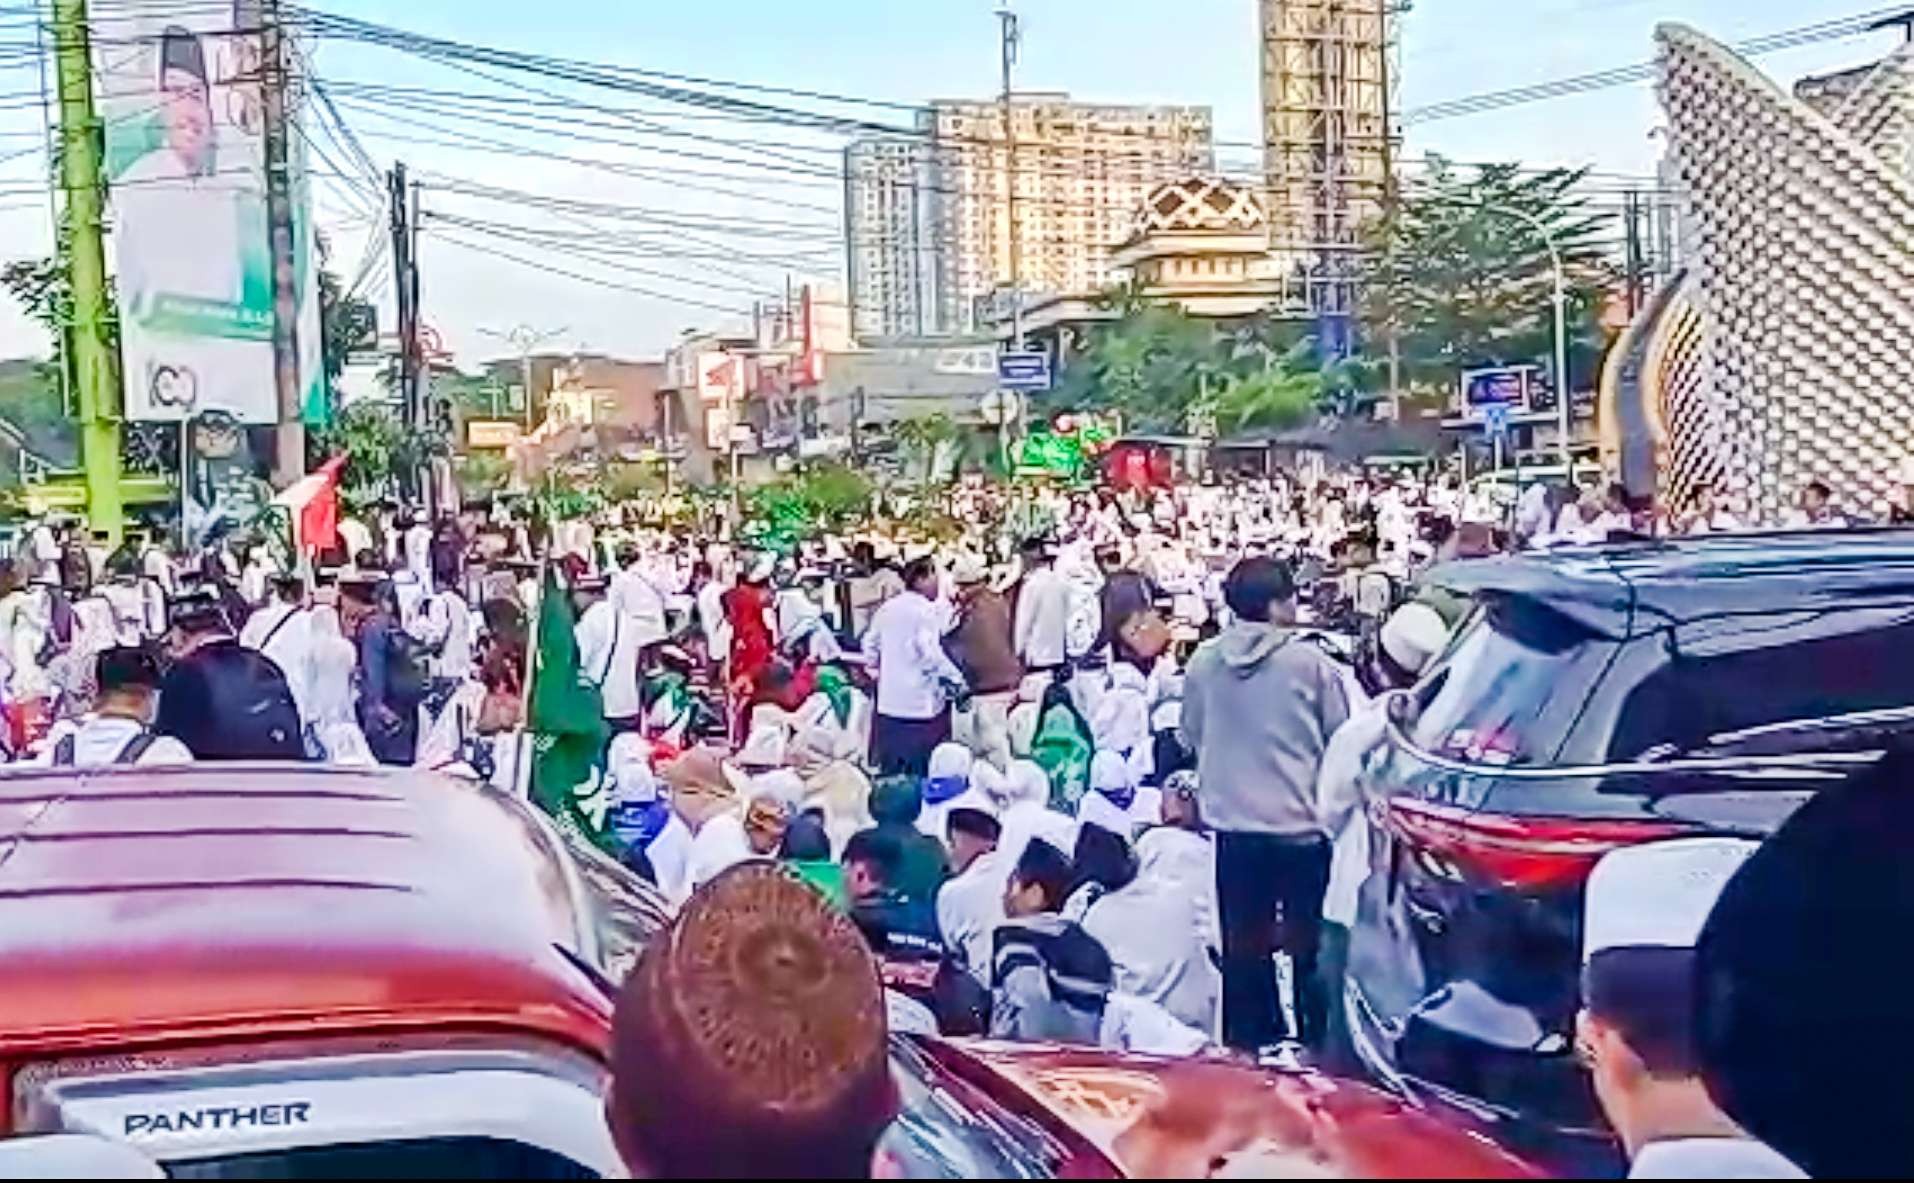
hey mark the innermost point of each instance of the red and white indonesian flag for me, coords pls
(312, 502)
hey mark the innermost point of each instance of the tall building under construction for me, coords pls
(1326, 142)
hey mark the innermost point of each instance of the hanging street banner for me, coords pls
(181, 97)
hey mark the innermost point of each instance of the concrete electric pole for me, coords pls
(95, 363)
(289, 459)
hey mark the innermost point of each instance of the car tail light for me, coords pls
(1524, 853)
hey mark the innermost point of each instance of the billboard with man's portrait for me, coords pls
(180, 91)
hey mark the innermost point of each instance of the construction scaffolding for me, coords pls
(1327, 135)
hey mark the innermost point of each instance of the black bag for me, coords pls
(227, 702)
(408, 680)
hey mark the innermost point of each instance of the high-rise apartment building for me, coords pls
(1325, 139)
(934, 212)
(890, 221)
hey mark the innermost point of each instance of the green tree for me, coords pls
(1461, 277)
(1166, 370)
(384, 455)
(1151, 365)
(923, 439)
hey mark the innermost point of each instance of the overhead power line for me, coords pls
(1496, 100)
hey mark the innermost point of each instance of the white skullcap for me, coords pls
(634, 783)
(1657, 895)
(761, 567)
(1026, 781)
(782, 785)
(1110, 771)
(987, 782)
(949, 761)
(1412, 635)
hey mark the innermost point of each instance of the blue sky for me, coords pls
(1188, 51)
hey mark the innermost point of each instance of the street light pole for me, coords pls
(1563, 396)
(526, 340)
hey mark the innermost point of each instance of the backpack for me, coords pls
(407, 676)
(227, 702)
(129, 753)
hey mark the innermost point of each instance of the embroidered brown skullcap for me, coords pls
(749, 1041)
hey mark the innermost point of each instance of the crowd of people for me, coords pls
(1077, 767)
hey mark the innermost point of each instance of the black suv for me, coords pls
(1598, 697)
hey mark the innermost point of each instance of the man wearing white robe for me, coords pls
(281, 631)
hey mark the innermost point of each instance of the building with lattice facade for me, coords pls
(1783, 355)
(1325, 140)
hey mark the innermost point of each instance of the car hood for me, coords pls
(1165, 1118)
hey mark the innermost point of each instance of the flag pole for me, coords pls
(531, 669)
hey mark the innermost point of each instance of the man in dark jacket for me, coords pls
(984, 649)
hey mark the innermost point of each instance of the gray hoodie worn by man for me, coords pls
(1259, 705)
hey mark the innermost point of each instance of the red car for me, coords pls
(273, 971)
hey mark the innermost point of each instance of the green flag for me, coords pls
(567, 723)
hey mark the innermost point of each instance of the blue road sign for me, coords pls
(1495, 419)
(1023, 369)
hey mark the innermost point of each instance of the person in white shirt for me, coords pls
(710, 580)
(608, 653)
(636, 593)
(1816, 511)
(416, 545)
(951, 782)
(443, 623)
(124, 593)
(1408, 640)
(970, 904)
(915, 677)
(281, 630)
(331, 721)
(1643, 912)
(1151, 927)
(1042, 626)
(119, 731)
(1025, 812)
(43, 549)
(642, 820)
(256, 575)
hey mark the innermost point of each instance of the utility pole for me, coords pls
(1008, 40)
(94, 361)
(405, 279)
(289, 461)
(1632, 228)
